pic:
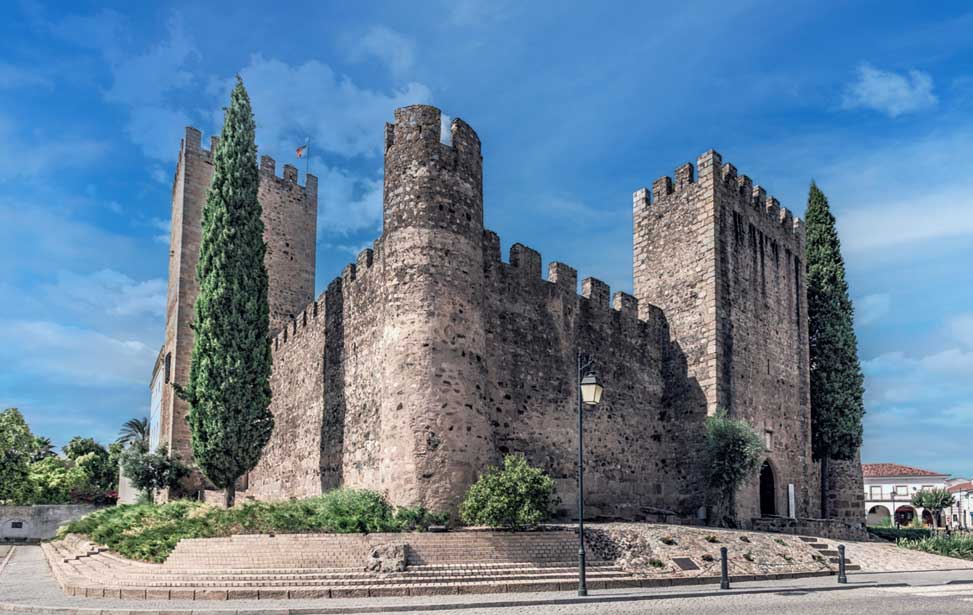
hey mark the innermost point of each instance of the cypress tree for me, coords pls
(229, 380)
(837, 383)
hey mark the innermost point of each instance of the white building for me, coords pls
(961, 513)
(889, 488)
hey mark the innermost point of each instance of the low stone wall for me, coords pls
(824, 528)
(35, 523)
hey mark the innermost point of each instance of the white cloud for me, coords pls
(12, 77)
(144, 82)
(76, 356)
(888, 92)
(30, 156)
(871, 308)
(111, 292)
(395, 50)
(165, 230)
(293, 101)
(347, 203)
(961, 329)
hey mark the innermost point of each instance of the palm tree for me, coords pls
(135, 431)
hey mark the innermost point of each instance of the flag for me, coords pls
(301, 150)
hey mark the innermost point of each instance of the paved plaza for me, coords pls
(27, 586)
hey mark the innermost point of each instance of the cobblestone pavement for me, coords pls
(27, 580)
(885, 557)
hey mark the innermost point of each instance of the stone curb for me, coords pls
(400, 608)
(7, 558)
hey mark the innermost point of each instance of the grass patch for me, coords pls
(955, 545)
(150, 532)
(656, 563)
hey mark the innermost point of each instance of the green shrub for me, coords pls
(518, 496)
(732, 455)
(668, 540)
(150, 532)
(955, 545)
(417, 518)
(711, 538)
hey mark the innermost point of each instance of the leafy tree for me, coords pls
(17, 450)
(150, 472)
(837, 382)
(732, 455)
(43, 448)
(933, 500)
(517, 496)
(54, 479)
(95, 461)
(229, 387)
(134, 430)
(78, 446)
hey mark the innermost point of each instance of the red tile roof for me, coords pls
(894, 469)
(967, 486)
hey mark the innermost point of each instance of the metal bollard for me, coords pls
(724, 570)
(842, 577)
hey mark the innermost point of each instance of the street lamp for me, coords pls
(589, 394)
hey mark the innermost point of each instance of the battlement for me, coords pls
(192, 142)
(525, 264)
(422, 124)
(268, 170)
(711, 172)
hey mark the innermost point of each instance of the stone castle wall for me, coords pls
(725, 264)
(437, 358)
(430, 357)
(289, 216)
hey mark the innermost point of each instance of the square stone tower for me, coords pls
(726, 265)
(289, 217)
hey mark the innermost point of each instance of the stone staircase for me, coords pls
(332, 566)
(828, 551)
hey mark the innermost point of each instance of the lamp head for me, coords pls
(591, 390)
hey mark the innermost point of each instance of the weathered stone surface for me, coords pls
(430, 357)
(387, 558)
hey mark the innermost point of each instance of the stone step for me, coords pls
(503, 578)
(351, 572)
(820, 546)
(376, 590)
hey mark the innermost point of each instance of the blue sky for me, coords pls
(577, 106)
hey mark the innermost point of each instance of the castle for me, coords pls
(430, 357)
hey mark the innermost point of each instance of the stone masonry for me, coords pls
(289, 217)
(430, 357)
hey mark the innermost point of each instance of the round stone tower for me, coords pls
(435, 431)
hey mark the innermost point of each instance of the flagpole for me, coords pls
(307, 163)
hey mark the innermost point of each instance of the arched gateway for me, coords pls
(768, 490)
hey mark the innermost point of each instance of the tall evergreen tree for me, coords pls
(229, 380)
(837, 383)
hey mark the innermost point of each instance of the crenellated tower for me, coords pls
(289, 216)
(433, 416)
(726, 264)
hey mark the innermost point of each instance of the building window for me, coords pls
(927, 487)
(875, 493)
(901, 490)
(168, 366)
(769, 440)
(17, 525)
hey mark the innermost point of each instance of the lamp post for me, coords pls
(589, 394)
